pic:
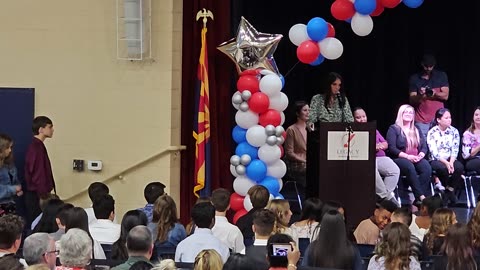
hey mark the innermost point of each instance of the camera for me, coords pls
(279, 250)
(428, 91)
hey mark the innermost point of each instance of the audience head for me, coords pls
(406, 113)
(77, 218)
(104, 207)
(475, 119)
(278, 238)
(458, 248)
(11, 227)
(42, 125)
(10, 262)
(62, 215)
(208, 259)
(443, 118)
(139, 242)
(96, 190)
(131, 219)
(333, 205)
(165, 214)
(238, 261)
(259, 196)
(474, 226)
(383, 212)
(48, 222)
(39, 267)
(394, 246)
(203, 215)
(312, 209)
(359, 115)
(263, 222)
(221, 199)
(141, 265)
(442, 219)
(166, 264)
(430, 204)
(46, 198)
(6, 144)
(152, 191)
(302, 110)
(281, 209)
(76, 248)
(39, 248)
(402, 215)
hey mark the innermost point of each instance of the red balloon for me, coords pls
(390, 3)
(342, 10)
(239, 214)
(248, 82)
(284, 135)
(259, 102)
(236, 202)
(270, 117)
(281, 150)
(331, 30)
(378, 10)
(308, 51)
(250, 72)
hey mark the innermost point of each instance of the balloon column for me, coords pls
(260, 103)
(316, 41)
(359, 12)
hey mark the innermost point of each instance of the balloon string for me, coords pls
(290, 70)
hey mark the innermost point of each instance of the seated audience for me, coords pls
(103, 229)
(228, 233)
(139, 247)
(76, 250)
(263, 224)
(471, 144)
(42, 203)
(404, 216)
(190, 228)
(333, 205)
(47, 223)
(368, 231)
(165, 228)
(309, 219)
(151, 193)
(281, 208)
(131, 219)
(166, 264)
(474, 227)
(203, 215)
(208, 259)
(288, 262)
(39, 267)
(60, 219)
(442, 219)
(421, 223)
(39, 248)
(141, 265)
(95, 190)
(332, 249)
(11, 227)
(239, 261)
(457, 250)
(393, 250)
(10, 262)
(259, 197)
(407, 148)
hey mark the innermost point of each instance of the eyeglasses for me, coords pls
(56, 252)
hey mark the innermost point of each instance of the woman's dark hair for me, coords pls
(432, 203)
(438, 114)
(327, 91)
(78, 218)
(238, 261)
(299, 106)
(312, 209)
(47, 223)
(472, 124)
(331, 205)
(331, 249)
(457, 246)
(131, 219)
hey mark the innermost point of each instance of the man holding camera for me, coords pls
(428, 91)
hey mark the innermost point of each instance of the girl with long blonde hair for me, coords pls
(168, 232)
(281, 209)
(208, 259)
(442, 219)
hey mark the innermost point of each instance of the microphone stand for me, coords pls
(348, 127)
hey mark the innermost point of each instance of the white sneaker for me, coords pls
(439, 186)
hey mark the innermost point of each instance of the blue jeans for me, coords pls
(423, 129)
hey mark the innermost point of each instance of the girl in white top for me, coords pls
(281, 209)
(309, 220)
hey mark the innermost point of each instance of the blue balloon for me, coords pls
(283, 80)
(413, 3)
(239, 134)
(271, 184)
(317, 29)
(365, 7)
(244, 148)
(256, 170)
(319, 60)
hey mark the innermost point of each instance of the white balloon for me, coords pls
(242, 184)
(271, 85)
(256, 135)
(266, 72)
(233, 171)
(269, 153)
(362, 25)
(331, 48)
(280, 183)
(279, 102)
(271, 197)
(246, 119)
(282, 118)
(277, 169)
(247, 203)
(298, 34)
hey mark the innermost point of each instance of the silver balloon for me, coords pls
(245, 159)
(251, 49)
(244, 106)
(237, 98)
(246, 95)
(240, 169)
(280, 140)
(270, 130)
(272, 140)
(279, 131)
(235, 160)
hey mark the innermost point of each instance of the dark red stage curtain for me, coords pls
(220, 78)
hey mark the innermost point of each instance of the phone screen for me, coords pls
(281, 250)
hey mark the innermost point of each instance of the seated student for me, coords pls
(130, 220)
(263, 223)
(281, 208)
(404, 216)
(11, 227)
(228, 233)
(61, 219)
(190, 227)
(288, 262)
(95, 190)
(259, 197)
(471, 143)
(309, 219)
(151, 193)
(103, 229)
(203, 214)
(139, 247)
(442, 219)
(474, 227)
(421, 222)
(47, 222)
(39, 248)
(165, 228)
(238, 261)
(208, 259)
(43, 202)
(368, 231)
(457, 251)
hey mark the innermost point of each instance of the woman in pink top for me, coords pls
(471, 144)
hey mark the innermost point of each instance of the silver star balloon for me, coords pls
(251, 49)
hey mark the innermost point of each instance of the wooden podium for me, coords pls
(341, 167)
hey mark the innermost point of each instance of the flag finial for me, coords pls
(204, 13)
